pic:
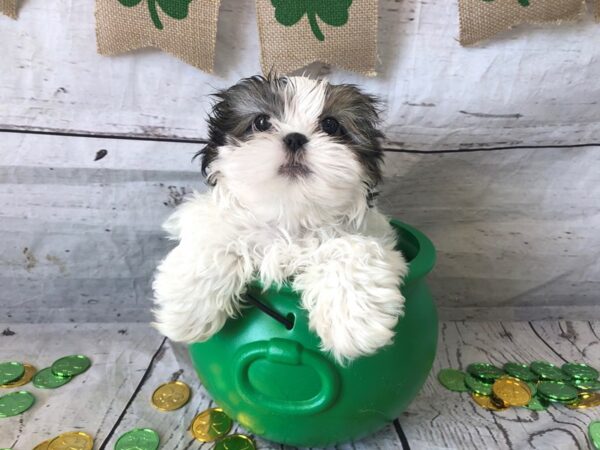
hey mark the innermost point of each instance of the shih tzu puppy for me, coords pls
(293, 164)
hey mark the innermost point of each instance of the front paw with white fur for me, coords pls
(351, 290)
(199, 284)
(194, 294)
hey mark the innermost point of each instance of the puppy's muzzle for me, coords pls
(295, 141)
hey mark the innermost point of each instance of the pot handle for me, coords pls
(285, 351)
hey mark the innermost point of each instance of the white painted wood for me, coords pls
(516, 231)
(92, 401)
(173, 363)
(512, 245)
(131, 360)
(440, 419)
(80, 238)
(530, 86)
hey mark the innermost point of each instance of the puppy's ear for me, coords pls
(218, 122)
(208, 154)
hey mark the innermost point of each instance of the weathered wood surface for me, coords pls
(80, 238)
(173, 363)
(92, 401)
(131, 360)
(440, 419)
(530, 86)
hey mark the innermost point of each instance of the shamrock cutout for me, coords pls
(176, 9)
(332, 12)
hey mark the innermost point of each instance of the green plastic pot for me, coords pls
(276, 382)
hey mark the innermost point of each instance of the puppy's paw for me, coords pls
(353, 296)
(195, 294)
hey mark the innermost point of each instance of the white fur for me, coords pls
(256, 222)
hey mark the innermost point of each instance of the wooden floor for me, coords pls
(130, 360)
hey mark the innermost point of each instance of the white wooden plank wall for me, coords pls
(516, 228)
(528, 87)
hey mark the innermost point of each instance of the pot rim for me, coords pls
(418, 266)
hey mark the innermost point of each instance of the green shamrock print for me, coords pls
(332, 12)
(521, 2)
(176, 9)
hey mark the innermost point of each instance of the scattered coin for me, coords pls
(533, 388)
(520, 371)
(26, 378)
(73, 440)
(15, 403)
(477, 386)
(580, 371)
(538, 404)
(46, 379)
(70, 366)
(594, 433)
(211, 425)
(486, 402)
(585, 400)
(485, 372)
(586, 385)
(453, 380)
(42, 446)
(171, 396)
(512, 391)
(557, 391)
(547, 371)
(11, 371)
(235, 442)
(138, 439)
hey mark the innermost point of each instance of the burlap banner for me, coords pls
(9, 8)
(482, 19)
(294, 33)
(184, 28)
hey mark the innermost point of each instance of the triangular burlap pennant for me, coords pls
(295, 33)
(184, 28)
(482, 19)
(9, 8)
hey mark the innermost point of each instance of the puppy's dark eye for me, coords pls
(262, 123)
(330, 126)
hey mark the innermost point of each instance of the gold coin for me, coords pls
(486, 402)
(171, 396)
(211, 424)
(512, 391)
(73, 440)
(585, 400)
(26, 378)
(42, 446)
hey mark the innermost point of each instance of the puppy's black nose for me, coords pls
(295, 141)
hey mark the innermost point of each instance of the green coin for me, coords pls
(580, 371)
(594, 432)
(484, 371)
(69, 366)
(46, 379)
(537, 404)
(478, 386)
(453, 380)
(15, 403)
(557, 391)
(547, 371)
(586, 385)
(235, 442)
(532, 387)
(520, 371)
(11, 371)
(138, 439)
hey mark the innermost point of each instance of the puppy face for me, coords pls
(296, 150)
